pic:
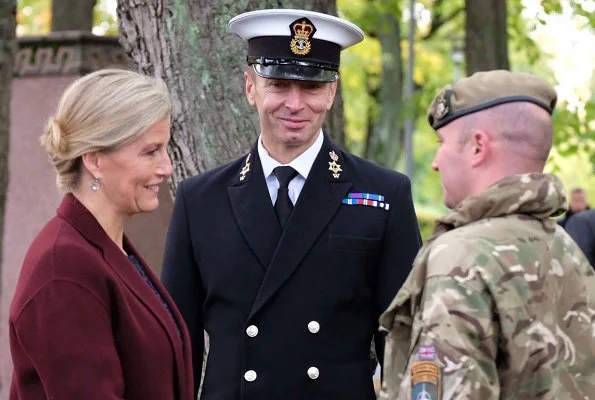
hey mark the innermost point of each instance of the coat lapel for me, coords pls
(77, 215)
(253, 209)
(182, 350)
(318, 202)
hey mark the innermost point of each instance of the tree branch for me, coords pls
(440, 20)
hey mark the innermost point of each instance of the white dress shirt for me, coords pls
(302, 164)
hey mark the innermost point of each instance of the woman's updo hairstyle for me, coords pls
(101, 112)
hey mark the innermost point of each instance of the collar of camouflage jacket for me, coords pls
(538, 195)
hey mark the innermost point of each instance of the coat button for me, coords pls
(313, 373)
(313, 326)
(250, 375)
(252, 331)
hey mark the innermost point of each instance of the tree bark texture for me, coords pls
(8, 10)
(72, 15)
(387, 141)
(187, 43)
(486, 37)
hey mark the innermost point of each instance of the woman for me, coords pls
(89, 320)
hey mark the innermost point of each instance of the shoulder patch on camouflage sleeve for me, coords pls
(425, 380)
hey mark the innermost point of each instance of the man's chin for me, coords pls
(295, 137)
(449, 203)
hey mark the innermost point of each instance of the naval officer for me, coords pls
(287, 256)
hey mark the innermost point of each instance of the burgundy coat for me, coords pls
(84, 324)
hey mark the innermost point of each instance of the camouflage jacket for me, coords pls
(500, 304)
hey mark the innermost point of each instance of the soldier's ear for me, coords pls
(480, 147)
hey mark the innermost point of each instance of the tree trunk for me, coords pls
(334, 124)
(72, 15)
(8, 10)
(188, 44)
(486, 38)
(387, 141)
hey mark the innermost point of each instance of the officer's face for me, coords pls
(452, 164)
(131, 174)
(291, 112)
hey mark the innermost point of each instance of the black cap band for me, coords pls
(288, 61)
(295, 72)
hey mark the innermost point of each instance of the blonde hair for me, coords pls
(101, 112)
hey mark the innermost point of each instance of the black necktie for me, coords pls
(283, 205)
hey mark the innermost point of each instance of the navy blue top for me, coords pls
(142, 272)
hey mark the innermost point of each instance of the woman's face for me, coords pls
(131, 175)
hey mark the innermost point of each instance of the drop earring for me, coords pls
(95, 185)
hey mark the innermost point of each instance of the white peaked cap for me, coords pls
(275, 22)
(295, 44)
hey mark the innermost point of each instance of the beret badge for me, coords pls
(302, 30)
(442, 105)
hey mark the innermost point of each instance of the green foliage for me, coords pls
(425, 220)
(522, 48)
(434, 67)
(104, 22)
(573, 156)
(575, 134)
(575, 171)
(579, 7)
(360, 70)
(368, 14)
(34, 17)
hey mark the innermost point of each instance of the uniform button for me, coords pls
(250, 375)
(252, 331)
(313, 326)
(313, 373)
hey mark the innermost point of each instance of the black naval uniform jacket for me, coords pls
(290, 315)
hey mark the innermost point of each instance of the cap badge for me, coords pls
(442, 104)
(441, 110)
(246, 168)
(302, 30)
(441, 107)
(333, 166)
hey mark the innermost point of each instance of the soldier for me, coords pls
(287, 256)
(500, 302)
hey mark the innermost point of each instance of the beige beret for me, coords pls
(488, 89)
